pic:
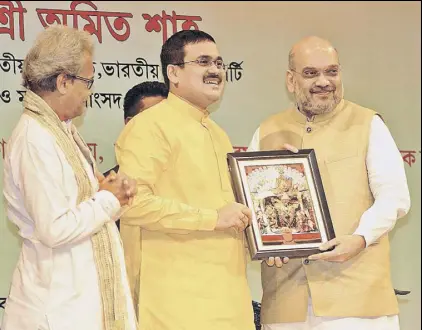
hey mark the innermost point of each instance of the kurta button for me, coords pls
(309, 129)
(306, 262)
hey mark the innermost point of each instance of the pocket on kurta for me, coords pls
(342, 171)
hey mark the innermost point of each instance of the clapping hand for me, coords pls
(120, 185)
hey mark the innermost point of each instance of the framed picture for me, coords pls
(290, 215)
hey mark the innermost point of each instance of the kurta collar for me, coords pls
(187, 108)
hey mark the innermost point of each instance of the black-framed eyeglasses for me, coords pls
(89, 82)
(206, 62)
(311, 73)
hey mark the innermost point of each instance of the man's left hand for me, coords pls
(345, 248)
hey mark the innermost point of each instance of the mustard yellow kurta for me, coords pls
(191, 277)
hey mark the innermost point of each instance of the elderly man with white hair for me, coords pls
(70, 273)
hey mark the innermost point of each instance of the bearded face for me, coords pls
(314, 78)
(320, 94)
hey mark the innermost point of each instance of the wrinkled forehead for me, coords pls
(203, 48)
(316, 58)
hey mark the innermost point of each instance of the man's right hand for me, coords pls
(120, 186)
(234, 215)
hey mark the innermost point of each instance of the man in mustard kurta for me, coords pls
(193, 267)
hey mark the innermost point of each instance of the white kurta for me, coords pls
(388, 184)
(55, 283)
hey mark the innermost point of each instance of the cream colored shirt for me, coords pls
(55, 283)
(191, 276)
(387, 180)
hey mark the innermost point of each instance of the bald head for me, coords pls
(314, 76)
(310, 47)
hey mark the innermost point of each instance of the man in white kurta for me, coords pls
(55, 285)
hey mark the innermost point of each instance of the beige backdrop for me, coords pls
(379, 47)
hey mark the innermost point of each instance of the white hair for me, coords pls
(58, 49)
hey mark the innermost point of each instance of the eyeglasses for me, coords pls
(89, 82)
(311, 73)
(206, 62)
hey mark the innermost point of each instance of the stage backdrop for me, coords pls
(379, 47)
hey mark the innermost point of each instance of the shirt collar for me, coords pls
(186, 108)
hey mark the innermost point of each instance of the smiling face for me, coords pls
(200, 81)
(315, 78)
